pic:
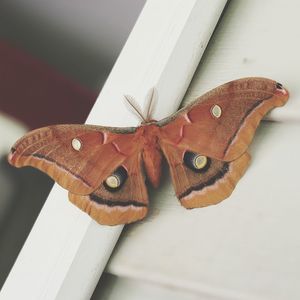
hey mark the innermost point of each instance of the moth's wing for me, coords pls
(99, 151)
(123, 205)
(222, 122)
(210, 185)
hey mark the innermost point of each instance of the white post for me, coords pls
(66, 251)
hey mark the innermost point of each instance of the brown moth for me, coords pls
(205, 145)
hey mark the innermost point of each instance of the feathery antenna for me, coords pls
(150, 102)
(134, 107)
(149, 105)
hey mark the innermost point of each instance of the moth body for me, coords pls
(151, 152)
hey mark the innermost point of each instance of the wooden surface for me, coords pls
(121, 288)
(66, 251)
(247, 247)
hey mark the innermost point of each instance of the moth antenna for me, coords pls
(150, 103)
(134, 107)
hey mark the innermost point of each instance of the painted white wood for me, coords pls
(66, 251)
(120, 288)
(247, 247)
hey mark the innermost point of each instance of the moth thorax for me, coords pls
(115, 181)
(196, 161)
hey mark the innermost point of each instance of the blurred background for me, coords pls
(54, 58)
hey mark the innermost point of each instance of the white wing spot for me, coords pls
(200, 161)
(76, 144)
(113, 181)
(216, 111)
